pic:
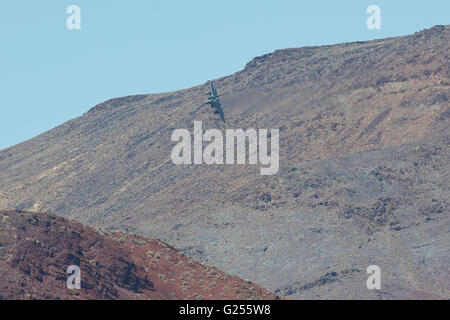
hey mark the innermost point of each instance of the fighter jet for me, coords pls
(214, 102)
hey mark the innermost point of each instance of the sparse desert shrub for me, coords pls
(162, 276)
(138, 242)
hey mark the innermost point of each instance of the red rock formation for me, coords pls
(37, 248)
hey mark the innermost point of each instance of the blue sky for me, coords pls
(49, 74)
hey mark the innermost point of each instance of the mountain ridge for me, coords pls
(37, 249)
(349, 104)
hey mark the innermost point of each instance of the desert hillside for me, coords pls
(363, 179)
(37, 248)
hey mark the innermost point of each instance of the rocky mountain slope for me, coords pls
(363, 179)
(37, 248)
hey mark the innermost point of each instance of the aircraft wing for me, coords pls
(220, 111)
(212, 89)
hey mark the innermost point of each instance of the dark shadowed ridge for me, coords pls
(37, 248)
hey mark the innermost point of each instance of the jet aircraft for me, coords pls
(214, 101)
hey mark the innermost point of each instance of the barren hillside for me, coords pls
(37, 248)
(363, 179)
